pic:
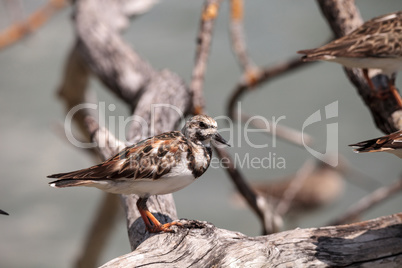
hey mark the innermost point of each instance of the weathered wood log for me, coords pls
(374, 243)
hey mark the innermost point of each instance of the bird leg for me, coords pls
(148, 218)
(384, 94)
(394, 90)
(368, 79)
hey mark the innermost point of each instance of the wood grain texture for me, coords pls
(200, 244)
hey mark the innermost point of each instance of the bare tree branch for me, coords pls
(368, 202)
(238, 40)
(265, 75)
(294, 187)
(208, 16)
(270, 221)
(23, 28)
(374, 243)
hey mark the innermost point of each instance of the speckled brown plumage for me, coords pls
(377, 44)
(158, 165)
(391, 143)
(138, 161)
(378, 37)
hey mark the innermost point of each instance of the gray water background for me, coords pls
(46, 226)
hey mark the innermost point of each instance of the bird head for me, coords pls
(202, 128)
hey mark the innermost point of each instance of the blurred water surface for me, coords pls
(46, 226)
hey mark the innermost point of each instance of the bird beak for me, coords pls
(220, 139)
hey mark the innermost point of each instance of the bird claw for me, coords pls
(163, 227)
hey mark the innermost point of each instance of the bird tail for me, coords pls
(307, 55)
(368, 146)
(315, 54)
(70, 183)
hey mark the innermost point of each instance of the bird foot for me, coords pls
(163, 227)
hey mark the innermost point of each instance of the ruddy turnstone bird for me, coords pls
(158, 165)
(377, 44)
(391, 143)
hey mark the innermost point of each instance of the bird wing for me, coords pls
(151, 158)
(365, 41)
(389, 142)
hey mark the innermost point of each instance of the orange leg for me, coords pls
(365, 74)
(394, 91)
(148, 218)
(391, 85)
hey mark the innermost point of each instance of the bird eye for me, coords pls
(202, 125)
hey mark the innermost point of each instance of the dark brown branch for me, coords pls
(264, 75)
(343, 16)
(208, 17)
(368, 202)
(270, 221)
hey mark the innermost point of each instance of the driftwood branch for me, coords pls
(343, 16)
(200, 244)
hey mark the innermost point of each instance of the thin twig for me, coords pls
(293, 188)
(368, 202)
(258, 204)
(31, 24)
(239, 46)
(208, 16)
(263, 76)
(279, 131)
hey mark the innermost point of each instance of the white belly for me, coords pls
(387, 65)
(178, 178)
